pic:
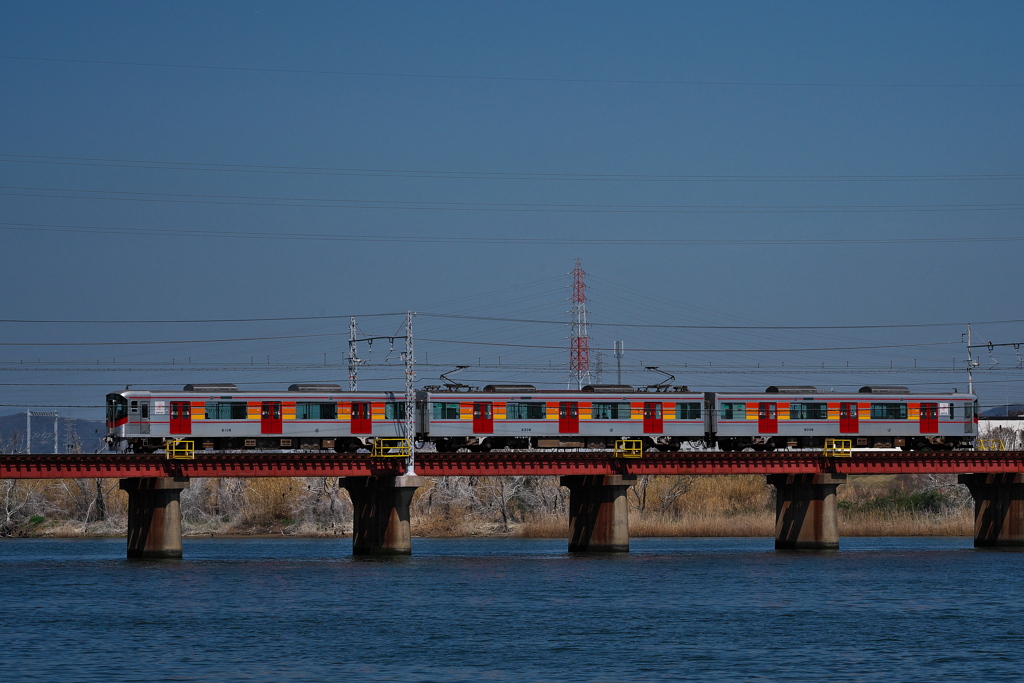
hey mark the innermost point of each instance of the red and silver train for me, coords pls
(519, 416)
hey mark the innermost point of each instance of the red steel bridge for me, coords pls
(382, 489)
(504, 463)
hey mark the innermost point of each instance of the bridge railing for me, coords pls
(838, 448)
(391, 447)
(180, 449)
(629, 448)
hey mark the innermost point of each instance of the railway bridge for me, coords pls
(381, 489)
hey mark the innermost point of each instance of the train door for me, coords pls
(929, 418)
(361, 421)
(138, 417)
(652, 418)
(181, 417)
(568, 417)
(483, 418)
(270, 417)
(848, 422)
(767, 418)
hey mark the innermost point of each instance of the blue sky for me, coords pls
(723, 165)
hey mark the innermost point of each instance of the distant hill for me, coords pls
(1012, 410)
(12, 434)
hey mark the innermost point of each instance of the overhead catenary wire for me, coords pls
(477, 239)
(499, 175)
(333, 203)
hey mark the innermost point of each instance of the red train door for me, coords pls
(848, 422)
(652, 418)
(767, 418)
(270, 417)
(929, 418)
(361, 422)
(181, 417)
(483, 418)
(568, 417)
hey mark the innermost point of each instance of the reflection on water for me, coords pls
(509, 609)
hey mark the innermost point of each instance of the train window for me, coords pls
(734, 411)
(446, 411)
(226, 410)
(888, 411)
(144, 411)
(316, 411)
(968, 411)
(610, 411)
(524, 411)
(394, 410)
(808, 411)
(688, 411)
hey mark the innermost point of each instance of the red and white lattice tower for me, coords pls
(579, 342)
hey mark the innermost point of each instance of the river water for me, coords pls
(905, 609)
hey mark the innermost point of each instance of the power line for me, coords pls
(501, 207)
(717, 327)
(209, 319)
(495, 175)
(421, 239)
(513, 79)
(826, 348)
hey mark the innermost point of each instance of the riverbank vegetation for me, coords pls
(741, 505)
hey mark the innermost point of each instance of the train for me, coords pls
(324, 417)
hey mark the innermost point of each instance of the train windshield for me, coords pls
(117, 409)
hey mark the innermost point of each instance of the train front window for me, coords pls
(117, 408)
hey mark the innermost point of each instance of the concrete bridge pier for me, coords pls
(380, 517)
(598, 512)
(154, 516)
(806, 513)
(998, 509)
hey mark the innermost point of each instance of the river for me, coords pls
(879, 609)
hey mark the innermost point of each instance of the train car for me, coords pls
(522, 416)
(220, 417)
(874, 417)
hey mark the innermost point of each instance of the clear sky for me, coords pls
(714, 165)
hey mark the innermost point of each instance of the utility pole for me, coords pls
(620, 349)
(971, 363)
(353, 360)
(410, 396)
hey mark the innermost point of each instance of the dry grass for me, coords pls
(528, 507)
(877, 523)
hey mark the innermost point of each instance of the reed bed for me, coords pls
(527, 507)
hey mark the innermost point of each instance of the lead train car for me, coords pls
(874, 417)
(219, 417)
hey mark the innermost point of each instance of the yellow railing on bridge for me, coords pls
(391, 447)
(991, 445)
(838, 448)
(180, 449)
(629, 448)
